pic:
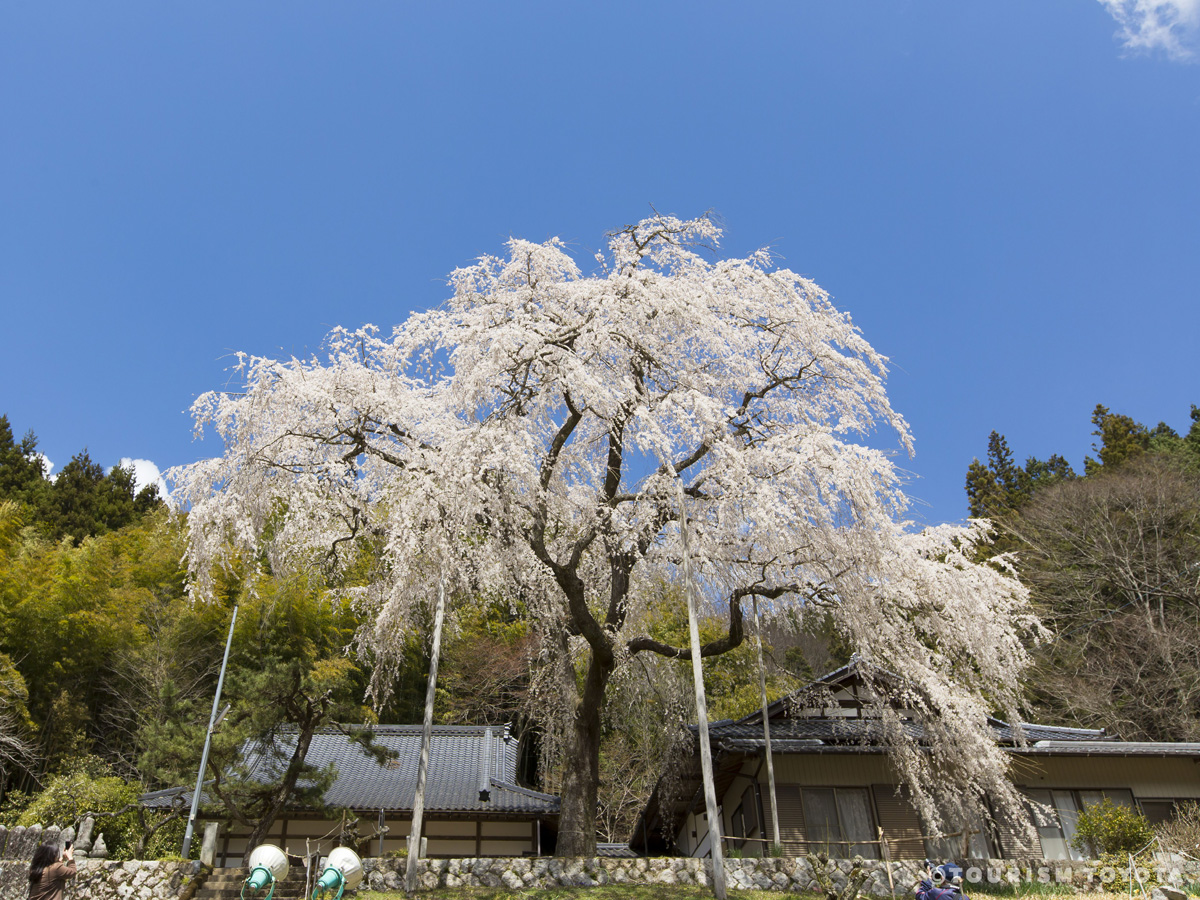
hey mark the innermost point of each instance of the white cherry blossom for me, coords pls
(524, 439)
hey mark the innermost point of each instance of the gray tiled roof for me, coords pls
(747, 733)
(462, 760)
(1110, 748)
(798, 733)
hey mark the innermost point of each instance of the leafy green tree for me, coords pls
(993, 488)
(22, 478)
(1121, 439)
(1192, 438)
(85, 501)
(997, 489)
(71, 616)
(82, 500)
(1186, 448)
(87, 786)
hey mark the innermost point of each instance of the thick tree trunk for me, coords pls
(280, 796)
(581, 767)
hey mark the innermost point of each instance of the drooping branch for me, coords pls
(732, 638)
(556, 445)
(736, 633)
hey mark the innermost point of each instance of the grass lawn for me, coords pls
(602, 892)
(692, 892)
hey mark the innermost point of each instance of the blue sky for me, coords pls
(1005, 196)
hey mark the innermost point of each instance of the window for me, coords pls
(978, 846)
(1056, 815)
(750, 812)
(836, 817)
(744, 823)
(1158, 811)
(737, 829)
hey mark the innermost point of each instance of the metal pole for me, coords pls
(414, 833)
(191, 822)
(706, 766)
(776, 846)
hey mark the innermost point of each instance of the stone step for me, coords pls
(297, 891)
(226, 884)
(236, 890)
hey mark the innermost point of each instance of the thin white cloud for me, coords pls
(144, 473)
(1148, 26)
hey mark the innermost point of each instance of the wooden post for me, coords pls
(414, 835)
(706, 768)
(886, 853)
(776, 846)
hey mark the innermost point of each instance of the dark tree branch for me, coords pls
(732, 639)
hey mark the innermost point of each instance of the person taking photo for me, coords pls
(49, 870)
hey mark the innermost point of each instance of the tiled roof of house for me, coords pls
(842, 722)
(817, 734)
(466, 764)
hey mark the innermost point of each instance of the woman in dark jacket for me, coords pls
(49, 870)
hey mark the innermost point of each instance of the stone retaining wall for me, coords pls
(103, 880)
(21, 841)
(760, 874)
(155, 880)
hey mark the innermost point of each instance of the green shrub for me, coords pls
(14, 804)
(1108, 828)
(1119, 862)
(165, 843)
(87, 785)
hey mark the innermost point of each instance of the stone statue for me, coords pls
(83, 842)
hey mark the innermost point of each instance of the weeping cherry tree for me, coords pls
(532, 435)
